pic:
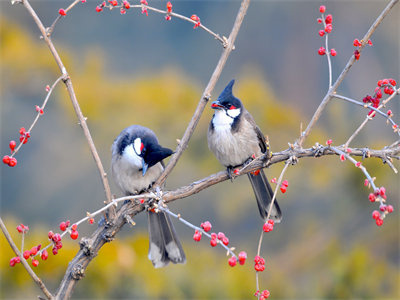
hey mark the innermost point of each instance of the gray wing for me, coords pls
(261, 138)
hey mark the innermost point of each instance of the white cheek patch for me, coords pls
(233, 113)
(137, 143)
(131, 156)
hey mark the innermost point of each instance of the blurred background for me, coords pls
(132, 69)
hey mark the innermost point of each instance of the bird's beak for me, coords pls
(144, 167)
(216, 105)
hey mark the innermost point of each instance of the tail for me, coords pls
(164, 243)
(264, 194)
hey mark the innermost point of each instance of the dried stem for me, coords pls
(346, 69)
(35, 278)
(206, 94)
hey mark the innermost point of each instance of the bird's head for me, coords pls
(228, 103)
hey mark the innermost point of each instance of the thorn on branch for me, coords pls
(78, 272)
(85, 247)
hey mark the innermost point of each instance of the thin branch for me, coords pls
(206, 95)
(75, 104)
(346, 69)
(35, 278)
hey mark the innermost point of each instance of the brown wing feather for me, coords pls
(261, 138)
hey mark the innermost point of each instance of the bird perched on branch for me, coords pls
(234, 138)
(136, 164)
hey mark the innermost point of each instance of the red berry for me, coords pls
(285, 183)
(126, 5)
(321, 32)
(357, 55)
(206, 226)
(372, 197)
(385, 81)
(358, 164)
(236, 172)
(342, 157)
(264, 295)
(73, 227)
(197, 236)
(328, 19)
(26, 254)
(270, 221)
(259, 268)
(50, 235)
(380, 83)
(213, 242)
(33, 251)
(328, 28)
(321, 51)
(268, 227)
(322, 9)
(379, 222)
(56, 237)
(47, 90)
(63, 226)
(12, 145)
(44, 255)
(283, 189)
(214, 235)
(6, 159)
(333, 52)
(366, 182)
(99, 9)
(392, 81)
(225, 241)
(22, 130)
(329, 142)
(20, 229)
(58, 245)
(113, 2)
(389, 209)
(220, 235)
(319, 20)
(242, 257)
(12, 262)
(91, 221)
(169, 6)
(74, 234)
(382, 191)
(356, 43)
(232, 261)
(54, 251)
(376, 214)
(195, 18)
(369, 42)
(389, 113)
(62, 12)
(273, 180)
(378, 93)
(382, 207)
(12, 162)
(122, 11)
(35, 262)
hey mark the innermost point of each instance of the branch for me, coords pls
(329, 95)
(75, 104)
(35, 278)
(206, 95)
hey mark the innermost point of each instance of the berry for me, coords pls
(264, 295)
(382, 207)
(389, 113)
(333, 52)
(62, 12)
(13, 162)
(232, 261)
(33, 251)
(388, 90)
(369, 42)
(366, 182)
(113, 2)
(74, 234)
(213, 242)
(357, 55)
(322, 9)
(283, 189)
(268, 227)
(356, 43)
(328, 19)
(236, 172)
(382, 192)
(372, 197)
(285, 183)
(259, 268)
(22, 130)
(50, 235)
(197, 236)
(35, 262)
(342, 157)
(20, 229)
(321, 51)
(321, 32)
(122, 11)
(44, 255)
(12, 145)
(126, 5)
(329, 142)
(273, 180)
(91, 221)
(73, 227)
(206, 226)
(56, 237)
(26, 254)
(225, 241)
(319, 20)
(47, 90)
(378, 93)
(376, 214)
(242, 257)
(99, 9)
(58, 245)
(328, 28)
(6, 159)
(169, 7)
(63, 226)
(358, 164)
(272, 222)
(392, 81)
(54, 251)
(379, 222)
(214, 235)
(220, 235)
(12, 262)
(389, 209)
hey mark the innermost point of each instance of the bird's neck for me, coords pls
(225, 119)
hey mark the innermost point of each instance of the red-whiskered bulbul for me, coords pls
(234, 138)
(136, 164)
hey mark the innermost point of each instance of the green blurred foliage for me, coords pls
(306, 257)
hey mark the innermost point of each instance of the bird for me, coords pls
(234, 138)
(136, 163)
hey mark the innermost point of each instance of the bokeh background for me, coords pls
(132, 69)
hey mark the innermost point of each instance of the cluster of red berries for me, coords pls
(169, 10)
(268, 226)
(33, 252)
(241, 258)
(259, 263)
(206, 227)
(388, 86)
(74, 232)
(56, 239)
(357, 43)
(284, 186)
(380, 193)
(263, 295)
(39, 109)
(22, 228)
(24, 136)
(197, 20)
(327, 23)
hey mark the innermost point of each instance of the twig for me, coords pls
(35, 278)
(75, 104)
(206, 95)
(346, 69)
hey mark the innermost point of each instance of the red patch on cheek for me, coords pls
(141, 147)
(232, 107)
